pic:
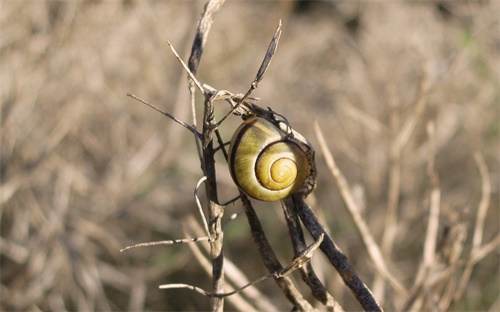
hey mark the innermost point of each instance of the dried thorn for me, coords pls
(186, 68)
(304, 257)
(167, 242)
(231, 201)
(210, 294)
(198, 203)
(273, 46)
(182, 123)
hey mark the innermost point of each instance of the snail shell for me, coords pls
(264, 163)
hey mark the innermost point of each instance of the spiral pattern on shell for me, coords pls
(263, 163)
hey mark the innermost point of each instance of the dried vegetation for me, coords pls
(406, 95)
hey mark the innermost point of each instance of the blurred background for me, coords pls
(86, 170)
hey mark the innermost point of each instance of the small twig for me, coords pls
(479, 227)
(202, 31)
(233, 276)
(270, 260)
(186, 68)
(435, 197)
(198, 203)
(273, 46)
(207, 153)
(303, 258)
(485, 250)
(410, 123)
(260, 73)
(398, 144)
(334, 254)
(168, 242)
(299, 245)
(182, 123)
(231, 201)
(344, 189)
(429, 251)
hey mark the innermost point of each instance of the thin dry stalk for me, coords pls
(333, 253)
(270, 260)
(421, 285)
(397, 147)
(236, 299)
(237, 278)
(402, 136)
(479, 226)
(435, 198)
(215, 211)
(308, 275)
(361, 226)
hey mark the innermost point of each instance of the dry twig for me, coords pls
(372, 247)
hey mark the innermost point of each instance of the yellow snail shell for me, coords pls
(264, 163)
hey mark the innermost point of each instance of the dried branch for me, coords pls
(182, 123)
(202, 31)
(420, 286)
(201, 253)
(186, 68)
(308, 275)
(233, 276)
(479, 227)
(398, 144)
(215, 211)
(260, 73)
(333, 253)
(303, 258)
(198, 204)
(435, 198)
(168, 242)
(344, 189)
(270, 260)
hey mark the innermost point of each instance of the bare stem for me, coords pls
(182, 123)
(334, 255)
(344, 189)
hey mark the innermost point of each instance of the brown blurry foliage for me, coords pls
(86, 170)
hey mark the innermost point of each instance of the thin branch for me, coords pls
(410, 123)
(233, 275)
(186, 68)
(398, 144)
(485, 250)
(198, 203)
(182, 123)
(479, 227)
(304, 257)
(273, 46)
(168, 242)
(270, 260)
(299, 245)
(201, 253)
(202, 31)
(429, 250)
(435, 198)
(334, 254)
(344, 189)
(207, 153)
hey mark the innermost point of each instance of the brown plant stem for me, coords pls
(215, 211)
(298, 241)
(334, 254)
(270, 260)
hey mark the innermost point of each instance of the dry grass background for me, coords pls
(86, 170)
